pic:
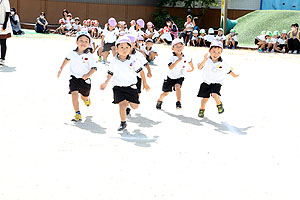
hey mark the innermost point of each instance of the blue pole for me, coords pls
(261, 2)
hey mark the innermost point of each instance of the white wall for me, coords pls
(242, 4)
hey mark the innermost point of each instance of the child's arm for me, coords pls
(103, 85)
(88, 75)
(175, 63)
(233, 74)
(201, 65)
(192, 67)
(145, 85)
(149, 74)
(66, 61)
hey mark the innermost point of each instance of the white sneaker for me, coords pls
(272, 51)
(295, 52)
(2, 62)
(290, 51)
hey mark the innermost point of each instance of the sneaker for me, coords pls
(272, 51)
(2, 62)
(151, 62)
(295, 52)
(158, 105)
(122, 126)
(104, 61)
(220, 108)
(233, 47)
(87, 102)
(290, 51)
(100, 59)
(128, 111)
(201, 113)
(77, 118)
(260, 51)
(178, 105)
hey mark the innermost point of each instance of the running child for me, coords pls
(82, 66)
(149, 52)
(178, 66)
(214, 73)
(123, 69)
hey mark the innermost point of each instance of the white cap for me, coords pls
(211, 30)
(195, 31)
(132, 38)
(83, 32)
(149, 40)
(176, 41)
(216, 43)
(123, 39)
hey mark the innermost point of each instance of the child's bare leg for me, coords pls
(114, 51)
(178, 92)
(134, 105)
(84, 98)
(105, 55)
(75, 100)
(123, 105)
(152, 55)
(163, 95)
(216, 98)
(204, 102)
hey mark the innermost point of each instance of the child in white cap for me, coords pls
(194, 39)
(221, 37)
(214, 73)
(82, 66)
(123, 71)
(149, 52)
(282, 41)
(210, 37)
(109, 38)
(179, 65)
(137, 29)
(232, 40)
(201, 38)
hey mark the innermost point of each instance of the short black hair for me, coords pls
(189, 16)
(13, 9)
(85, 36)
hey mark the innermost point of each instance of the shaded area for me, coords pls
(143, 121)
(138, 138)
(89, 125)
(7, 68)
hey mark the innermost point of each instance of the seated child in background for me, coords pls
(273, 45)
(232, 40)
(262, 40)
(282, 42)
(221, 37)
(61, 28)
(210, 37)
(194, 39)
(201, 38)
(149, 52)
(214, 73)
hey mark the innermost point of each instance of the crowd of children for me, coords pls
(284, 42)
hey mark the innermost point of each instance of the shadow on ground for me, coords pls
(7, 69)
(89, 125)
(138, 138)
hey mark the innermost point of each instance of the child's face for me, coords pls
(195, 34)
(220, 32)
(215, 53)
(149, 44)
(83, 43)
(123, 49)
(178, 48)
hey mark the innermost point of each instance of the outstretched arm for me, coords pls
(66, 61)
(234, 74)
(201, 65)
(103, 85)
(145, 85)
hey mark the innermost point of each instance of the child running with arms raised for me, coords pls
(214, 73)
(82, 66)
(178, 66)
(123, 70)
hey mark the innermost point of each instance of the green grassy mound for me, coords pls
(251, 25)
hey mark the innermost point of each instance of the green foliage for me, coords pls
(189, 3)
(160, 19)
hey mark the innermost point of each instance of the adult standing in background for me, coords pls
(5, 27)
(15, 22)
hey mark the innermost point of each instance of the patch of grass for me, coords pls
(252, 24)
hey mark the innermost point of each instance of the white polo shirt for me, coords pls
(235, 38)
(261, 38)
(146, 51)
(142, 61)
(273, 40)
(80, 64)
(215, 72)
(220, 38)
(155, 35)
(282, 41)
(209, 38)
(181, 68)
(124, 73)
(110, 36)
(136, 33)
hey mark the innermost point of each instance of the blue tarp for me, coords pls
(280, 5)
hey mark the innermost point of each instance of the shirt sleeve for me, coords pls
(111, 68)
(171, 61)
(93, 64)
(6, 5)
(69, 56)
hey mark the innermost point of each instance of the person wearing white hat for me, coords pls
(82, 67)
(210, 37)
(273, 44)
(137, 29)
(179, 65)
(282, 41)
(194, 39)
(214, 73)
(109, 38)
(220, 36)
(149, 52)
(201, 38)
(123, 71)
(232, 40)
(151, 33)
(263, 40)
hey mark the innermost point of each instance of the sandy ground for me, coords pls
(251, 152)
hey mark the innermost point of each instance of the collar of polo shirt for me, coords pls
(219, 60)
(127, 58)
(174, 54)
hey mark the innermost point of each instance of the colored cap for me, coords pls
(211, 31)
(220, 29)
(140, 38)
(269, 33)
(202, 31)
(216, 43)
(112, 22)
(132, 22)
(83, 32)
(195, 31)
(123, 39)
(176, 41)
(276, 33)
(232, 31)
(284, 31)
(141, 23)
(263, 33)
(132, 38)
(150, 24)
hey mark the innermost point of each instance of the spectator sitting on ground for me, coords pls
(41, 25)
(293, 39)
(15, 22)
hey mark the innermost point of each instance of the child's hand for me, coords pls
(190, 70)
(84, 77)
(149, 75)
(206, 56)
(58, 74)
(146, 87)
(103, 86)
